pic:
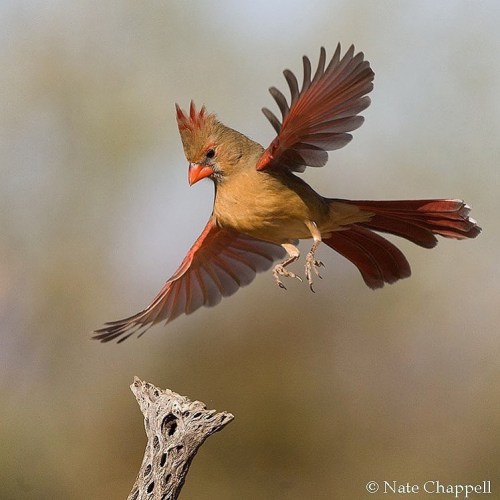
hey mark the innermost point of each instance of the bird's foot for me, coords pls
(312, 265)
(279, 270)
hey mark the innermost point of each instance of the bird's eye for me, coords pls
(210, 154)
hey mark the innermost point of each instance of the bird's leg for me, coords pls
(311, 262)
(279, 269)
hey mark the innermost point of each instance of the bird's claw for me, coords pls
(312, 265)
(279, 270)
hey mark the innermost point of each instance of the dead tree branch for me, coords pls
(176, 428)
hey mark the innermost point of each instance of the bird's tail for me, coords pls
(419, 221)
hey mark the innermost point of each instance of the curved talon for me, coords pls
(312, 264)
(279, 270)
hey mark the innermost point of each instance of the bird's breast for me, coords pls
(269, 209)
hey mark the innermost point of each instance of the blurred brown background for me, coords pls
(330, 390)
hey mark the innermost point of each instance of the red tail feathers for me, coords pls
(378, 260)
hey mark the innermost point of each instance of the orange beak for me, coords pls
(198, 171)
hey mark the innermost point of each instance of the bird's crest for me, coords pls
(192, 121)
(197, 131)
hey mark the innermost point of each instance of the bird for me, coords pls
(262, 208)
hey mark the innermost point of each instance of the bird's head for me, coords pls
(199, 137)
(212, 149)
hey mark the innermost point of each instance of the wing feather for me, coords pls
(321, 113)
(217, 265)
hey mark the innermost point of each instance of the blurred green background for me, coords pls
(330, 390)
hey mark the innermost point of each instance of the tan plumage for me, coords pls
(262, 208)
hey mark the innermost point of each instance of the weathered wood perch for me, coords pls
(176, 427)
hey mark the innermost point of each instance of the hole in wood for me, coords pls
(169, 424)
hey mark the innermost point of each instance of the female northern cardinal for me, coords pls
(262, 208)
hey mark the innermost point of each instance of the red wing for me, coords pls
(321, 114)
(216, 266)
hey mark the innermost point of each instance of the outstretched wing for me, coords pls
(321, 114)
(216, 266)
